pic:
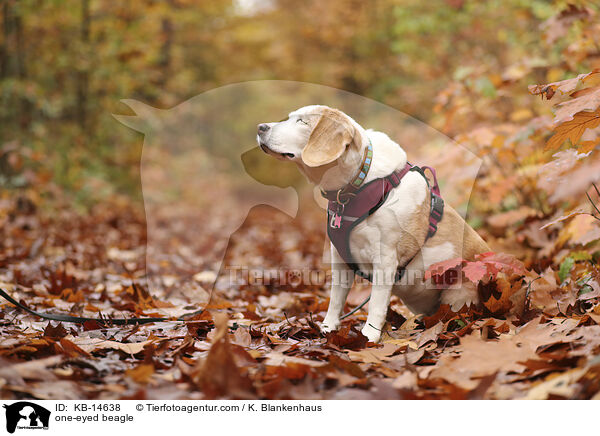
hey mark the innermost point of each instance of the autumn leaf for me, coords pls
(573, 129)
(485, 264)
(347, 337)
(557, 26)
(439, 268)
(501, 262)
(475, 271)
(511, 217)
(587, 146)
(499, 296)
(72, 349)
(219, 375)
(141, 373)
(563, 86)
(569, 110)
(56, 332)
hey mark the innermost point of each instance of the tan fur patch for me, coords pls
(452, 228)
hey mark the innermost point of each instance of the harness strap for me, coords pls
(345, 215)
(437, 203)
(396, 177)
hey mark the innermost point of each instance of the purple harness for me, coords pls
(347, 209)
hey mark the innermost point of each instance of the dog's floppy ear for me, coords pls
(328, 139)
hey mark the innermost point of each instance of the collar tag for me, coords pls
(336, 221)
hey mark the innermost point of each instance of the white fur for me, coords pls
(438, 253)
(376, 243)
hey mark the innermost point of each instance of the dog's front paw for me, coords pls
(371, 333)
(330, 325)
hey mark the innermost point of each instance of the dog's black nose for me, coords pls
(263, 127)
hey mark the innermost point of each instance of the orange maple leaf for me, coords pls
(573, 129)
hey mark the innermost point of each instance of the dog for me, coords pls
(329, 147)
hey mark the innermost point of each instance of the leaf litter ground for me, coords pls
(257, 340)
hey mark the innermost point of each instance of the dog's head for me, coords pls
(321, 140)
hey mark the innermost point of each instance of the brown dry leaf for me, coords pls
(562, 385)
(557, 26)
(401, 342)
(563, 86)
(347, 337)
(582, 229)
(511, 217)
(548, 296)
(51, 390)
(587, 146)
(586, 341)
(573, 109)
(576, 182)
(573, 127)
(55, 332)
(475, 357)
(92, 344)
(374, 355)
(141, 373)
(218, 375)
(431, 334)
(498, 295)
(72, 349)
(241, 337)
(33, 370)
(545, 293)
(275, 358)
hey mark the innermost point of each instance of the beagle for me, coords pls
(330, 149)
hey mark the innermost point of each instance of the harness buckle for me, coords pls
(435, 214)
(437, 206)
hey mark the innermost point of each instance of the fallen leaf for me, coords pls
(141, 373)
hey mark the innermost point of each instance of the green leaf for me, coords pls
(565, 268)
(585, 289)
(485, 87)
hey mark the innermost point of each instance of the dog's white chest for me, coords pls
(375, 241)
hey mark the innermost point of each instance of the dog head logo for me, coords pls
(26, 415)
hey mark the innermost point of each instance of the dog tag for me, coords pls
(336, 221)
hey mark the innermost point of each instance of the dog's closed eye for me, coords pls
(300, 120)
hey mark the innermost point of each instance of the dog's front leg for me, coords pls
(342, 278)
(381, 292)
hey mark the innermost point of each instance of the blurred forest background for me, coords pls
(65, 65)
(73, 231)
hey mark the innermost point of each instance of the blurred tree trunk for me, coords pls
(82, 74)
(13, 57)
(167, 42)
(165, 54)
(12, 49)
(4, 45)
(19, 46)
